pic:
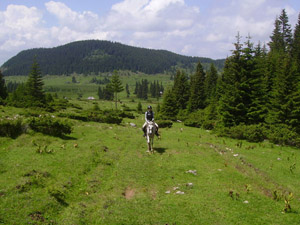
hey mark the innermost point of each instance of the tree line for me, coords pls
(258, 89)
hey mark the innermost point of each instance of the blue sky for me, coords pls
(204, 28)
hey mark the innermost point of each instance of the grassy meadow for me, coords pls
(101, 173)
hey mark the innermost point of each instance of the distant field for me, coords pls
(63, 86)
(101, 174)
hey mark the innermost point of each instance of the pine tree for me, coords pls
(116, 86)
(100, 93)
(232, 109)
(36, 95)
(181, 90)
(211, 82)
(127, 91)
(74, 79)
(285, 101)
(197, 91)
(3, 88)
(257, 110)
(286, 31)
(281, 39)
(296, 44)
(169, 108)
(108, 93)
(139, 107)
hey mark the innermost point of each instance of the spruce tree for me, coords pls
(100, 93)
(3, 89)
(257, 110)
(197, 91)
(296, 44)
(285, 97)
(281, 39)
(35, 93)
(181, 90)
(169, 108)
(116, 86)
(127, 91)
(211, 82)
(286, 31)
(232, 109)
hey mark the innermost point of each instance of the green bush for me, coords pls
(49, 125)
(195, 119)
(11, 127)
(164, 123)
(108, 116)
(125, 114)
(282, 134)
(252, 133)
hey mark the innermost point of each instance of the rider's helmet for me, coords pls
(149, 107)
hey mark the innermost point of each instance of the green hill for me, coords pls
(99, 56)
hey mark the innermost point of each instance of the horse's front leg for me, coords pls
(149, 144)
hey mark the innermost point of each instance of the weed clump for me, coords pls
(58, 194)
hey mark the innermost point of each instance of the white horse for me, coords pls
(151, 129)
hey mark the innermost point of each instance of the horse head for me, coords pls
(150, 128)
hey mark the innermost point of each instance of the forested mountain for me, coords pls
(99, 56)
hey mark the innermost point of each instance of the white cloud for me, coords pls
(84, 22)
(174, 25)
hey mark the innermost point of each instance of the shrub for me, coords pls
(282, 134)
(195, 119)
(111, 117)
(49, 125)
(164, 123)
(11, 127)
(108, 116)
(252, 133)
(125, 114)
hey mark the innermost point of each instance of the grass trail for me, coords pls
(103, 175)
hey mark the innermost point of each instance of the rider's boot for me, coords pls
(144, 130)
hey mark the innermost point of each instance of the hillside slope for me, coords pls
(99, 56)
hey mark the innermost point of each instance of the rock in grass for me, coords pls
(192, 171)
(132, 124)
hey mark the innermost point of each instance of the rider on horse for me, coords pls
(149, 116)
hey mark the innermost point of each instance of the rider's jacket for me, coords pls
(149, 115)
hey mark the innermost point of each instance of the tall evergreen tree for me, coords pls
(211, 82)
(281, 39)
(181, 90)
(3, 89)
(127, 90)
(117, 86)
(296, 44)
(285, 101)
(197, 91)
(232, 109)
(35, 93)
(169, 108)
(257, 110)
